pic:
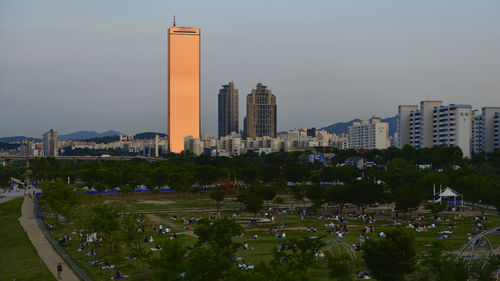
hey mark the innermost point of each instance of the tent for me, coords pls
(448, 196)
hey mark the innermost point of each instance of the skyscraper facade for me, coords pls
(49, 143)
(183, 86)
(228, 110)
(261, 117)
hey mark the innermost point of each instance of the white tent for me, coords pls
(447, 193)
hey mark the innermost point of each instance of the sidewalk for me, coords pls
(49, 256)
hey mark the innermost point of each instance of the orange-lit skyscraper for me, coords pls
(183, 86)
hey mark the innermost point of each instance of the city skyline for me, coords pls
(96, 70)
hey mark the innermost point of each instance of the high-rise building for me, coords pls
(403, 130)
(486, 130)
(415, 126)
(452, 126)
(372, 134)
(183, 86)
(261, 117)
(193, 145)
(50, 143)
(228, 110)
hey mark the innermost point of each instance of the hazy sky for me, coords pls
(100, 65)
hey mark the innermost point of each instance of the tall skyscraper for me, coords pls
(228, 110)
(49, 142)
(261, 117)
(183, 86)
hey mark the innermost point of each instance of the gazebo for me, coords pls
(448, 196)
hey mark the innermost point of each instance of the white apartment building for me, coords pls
(230, 144)
(372, 134)
(452, 126)
(421, 124)
(486, 134)
(193, 145)
(403, 124)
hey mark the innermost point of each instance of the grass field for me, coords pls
(162, 212)
(18, 258)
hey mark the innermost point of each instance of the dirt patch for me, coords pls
(156, 202)
(141, 196)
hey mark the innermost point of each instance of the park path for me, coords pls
(49, 256)
(6, 198)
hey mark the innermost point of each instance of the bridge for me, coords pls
(7, 159)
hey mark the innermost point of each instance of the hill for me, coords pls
(148, 135)
(18, 139)
(342, 127)
(84, 135)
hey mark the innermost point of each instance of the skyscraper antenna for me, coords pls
(174, 21)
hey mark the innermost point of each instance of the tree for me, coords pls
(337, 195)
(300, 253)
(298, 192)
(392, 257)
(440, 267)
(132, 225)
(267, 193)
(171, 261)
(340, 267)
(407, 199)
(434, 208)
(59, 196)
(218, 193)
(364, 193)
(253, 202)
(295, 172)
(316, 194)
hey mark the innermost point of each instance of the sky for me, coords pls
(102, 65)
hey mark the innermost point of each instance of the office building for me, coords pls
(228, 110)
(261, 117)
(486, 130)
(372, 134)
(452, 126)
(183, 86)
(49, 142)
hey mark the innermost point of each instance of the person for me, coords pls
(59, 271)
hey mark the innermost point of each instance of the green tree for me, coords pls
(59, 196)
(364, 193)
(316, 194)
(300, 253)
(392, 257)
(440, 267)
(434, 208)
(407, 198)
(337, 195)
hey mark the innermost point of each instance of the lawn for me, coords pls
(163, 212)
(18, 258)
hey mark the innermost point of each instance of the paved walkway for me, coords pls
(49, 256)
(5, 199)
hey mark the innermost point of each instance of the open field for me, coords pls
(176, 212)
(18, 258)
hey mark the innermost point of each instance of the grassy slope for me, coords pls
(18, 258)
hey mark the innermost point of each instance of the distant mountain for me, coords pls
(18, 139)
(84, 135)
(342, 127)
(148, 135)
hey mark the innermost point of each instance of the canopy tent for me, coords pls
(448, 196)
